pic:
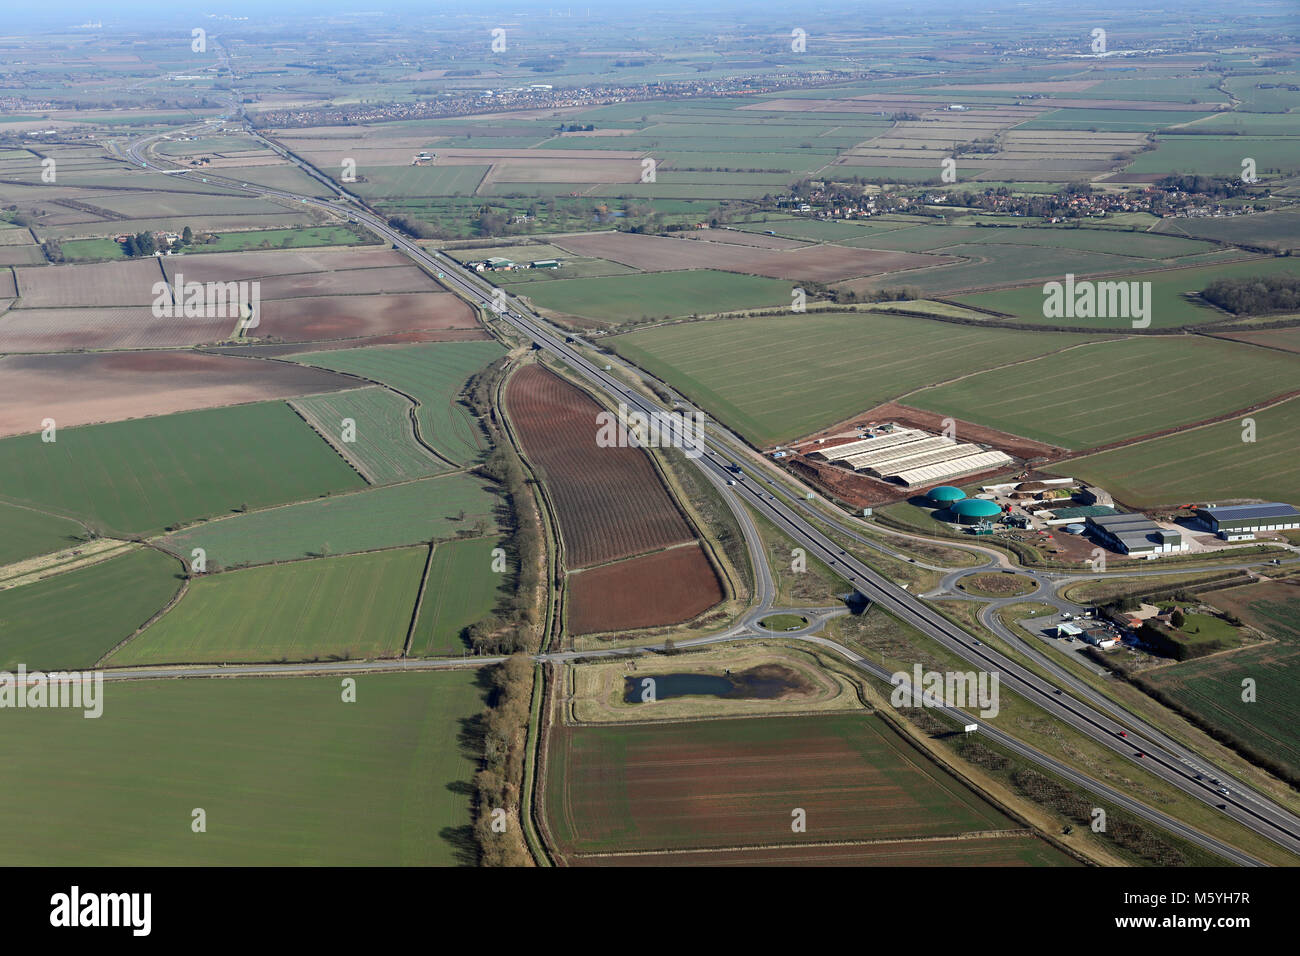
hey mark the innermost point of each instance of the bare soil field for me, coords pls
(92, 284)
(8, 286)
(731, 784)
(126, 327)
(388, 279)
(756, 240)
(396, 338)
(833, 263)
(232, 266)
(84, 389)
(335, 317)
(610, 501)
(823, 263)
(21, 256)
(667, 587)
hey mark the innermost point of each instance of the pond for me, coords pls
(765, 682)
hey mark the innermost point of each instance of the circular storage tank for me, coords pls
(945, 495)
(972, 510)
(1076, 528)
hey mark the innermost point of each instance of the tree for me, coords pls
(187, 235)
(1178, 618)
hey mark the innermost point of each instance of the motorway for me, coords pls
(1083, 709)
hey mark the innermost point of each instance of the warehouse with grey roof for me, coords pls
(1135, 535)
(1237, 522)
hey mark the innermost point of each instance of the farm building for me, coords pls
(1135, 535)
(1238, 522)
(1100, 637)
(974, 510)
(912, 457)
(544, 264)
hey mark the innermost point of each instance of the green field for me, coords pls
(1212, 687)
(1280, 229)
(355, 606)
(1119, 389)
(1219, 156)
(411, 513)
(82, 250)
(1169, 302)
(781, 377)
(25, 533)
(387, 182)
(434, 375)
(383, 445)
(461, 589)
(286, 772)
(655, 295)
(279, 239)
(1204, 464)
(992, 263)
(143, 475)
(72, 619)
(1112, 121)
(1120, 242)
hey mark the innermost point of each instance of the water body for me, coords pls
(765, 682)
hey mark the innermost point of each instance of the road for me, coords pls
(718, 456)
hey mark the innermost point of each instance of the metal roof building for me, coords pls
(1135, 534)
(1269, 516)
(912, 456)
(953, 467)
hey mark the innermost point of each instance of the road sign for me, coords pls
(971, 728)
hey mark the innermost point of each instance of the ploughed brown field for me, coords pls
(1009, 850)
(115, 327)
(395, 338)
(811, 263)
(91, 284)
(234, 266)
(610, 502)
(654, 590)
(345, 316)
(348, 282)
(84, 389)
(729, 785)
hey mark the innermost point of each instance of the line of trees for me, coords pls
(498, 783)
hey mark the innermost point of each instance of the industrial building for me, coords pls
(1240, 522)
(912, 457)
(945, 495)
(974, 510)
(1135, 535)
